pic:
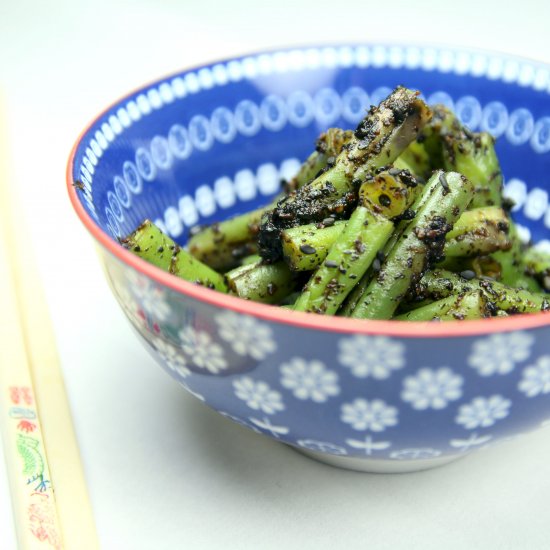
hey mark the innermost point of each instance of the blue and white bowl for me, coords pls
(211, 142)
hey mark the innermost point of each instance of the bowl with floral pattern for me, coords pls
(207, 143)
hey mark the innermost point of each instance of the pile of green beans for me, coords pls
(402, 219)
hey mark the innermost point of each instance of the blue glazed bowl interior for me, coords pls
(216, 141)
(212, 142)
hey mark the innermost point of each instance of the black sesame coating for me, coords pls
(348, 260)
(439, 283)
(420, 247)
(378, 140)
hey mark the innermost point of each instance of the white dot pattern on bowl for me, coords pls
(145, 165)
(223, 125)
(122, 192)
(245, 185)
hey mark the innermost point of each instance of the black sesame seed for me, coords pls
(376, 265)
(467, 274)
(444, 183)
(331, 263)
(384, 200)
(328, 221)
(394, 171)
(307, 249)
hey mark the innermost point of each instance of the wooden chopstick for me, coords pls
(33, 500)
(49, 493)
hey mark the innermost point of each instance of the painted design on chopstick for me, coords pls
(41, 512)
(42, 523)
(26, 426)
(20, 394)
(33, 462)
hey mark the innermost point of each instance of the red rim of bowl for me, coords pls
(313, 321)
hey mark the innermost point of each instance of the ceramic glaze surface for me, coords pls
(216, 141)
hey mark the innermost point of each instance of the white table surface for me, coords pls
(164, 471)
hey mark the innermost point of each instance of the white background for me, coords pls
(163, 470)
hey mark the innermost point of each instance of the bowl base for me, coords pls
(375, 466)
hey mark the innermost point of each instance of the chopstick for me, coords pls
(49, 494)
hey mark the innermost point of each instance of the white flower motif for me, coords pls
(266, 427)
(200, 349)
(129, 304)
(483, 412)
(246, 335)
(536, 378)
(172, 357)
(499, 353)
(127, 301)
(151, 298)
(369, 445)
(375, 356)
(322, 447)
(473, 441)
(258, 395)
(309, 380)
(415, 454)
(432, 389)
(373, 415)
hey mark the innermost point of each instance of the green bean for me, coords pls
(306, 246)
(372, 239)
(356, 295)
(381, 197)
(421, 245)
(469, 305)
(151, 244)
(473, 155)
(379, 139)
(512, 268)
(479, 232)
(252, 259)
(415, 159)
(439, 284)
(328, 145)
(443, 122)
(350, 256)
(221, 245)
(267, 283)
(537, 265)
